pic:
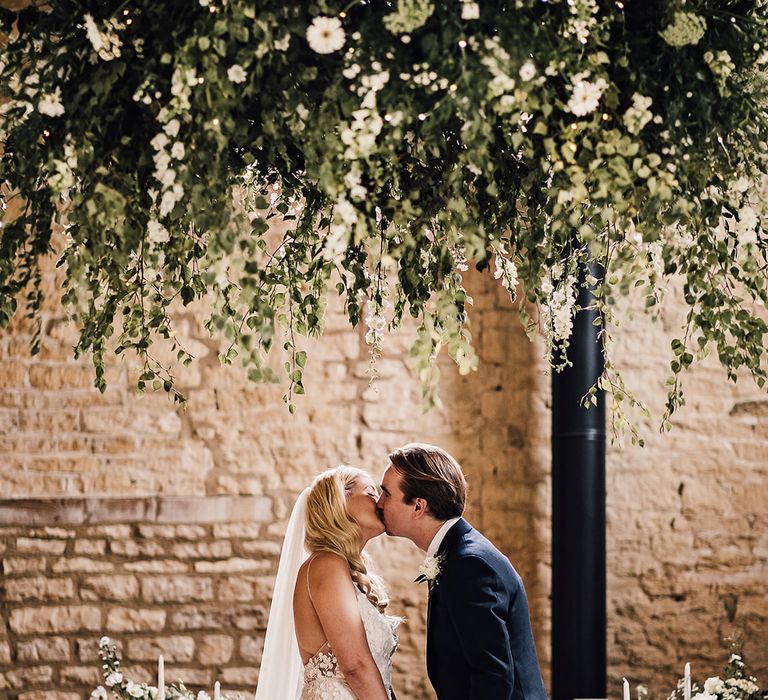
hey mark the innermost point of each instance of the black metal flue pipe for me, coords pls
(578, 516)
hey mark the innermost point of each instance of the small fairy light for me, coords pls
(387, 117)
(211, 9)
(125, 13)
(453, 87)
(342, 14)
(422, 116)
(129, 21)
(216, 121)
(605, 117)
(462, 44)
(200, 80)
(574, 126)
(46, 133)
(620, 5)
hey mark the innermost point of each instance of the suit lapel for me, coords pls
(449, 541)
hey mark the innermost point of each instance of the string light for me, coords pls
(216, 121)
(200, 80)
(605, 117)
(462, 44)
(422, 116)
(342, 14)
(453, 87)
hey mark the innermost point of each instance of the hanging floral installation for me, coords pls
(395, 144)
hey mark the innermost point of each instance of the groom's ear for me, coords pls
(420, 507)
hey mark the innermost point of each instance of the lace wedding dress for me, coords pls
(323, 679)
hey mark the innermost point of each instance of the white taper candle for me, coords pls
(217, 691)
(626, 689)
(687, 681)
(160, 678)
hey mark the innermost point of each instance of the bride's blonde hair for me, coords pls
(330, 528)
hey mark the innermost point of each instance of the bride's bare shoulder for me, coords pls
(326, 569)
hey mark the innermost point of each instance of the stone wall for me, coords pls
(687, 519)
(687, 546)
(95, 552)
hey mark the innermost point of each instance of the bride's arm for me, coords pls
(335, 599)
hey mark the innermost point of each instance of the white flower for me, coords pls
(51, 104)
(506, 270)
(586, 96)
(656, 257)
(172, 128)
(177, 151)
(236, 74)
(99, 693)
(284, 43)
(105, 641)
(638, 115)
(687, 28)
(527, 71)
(704, 696)
(94, 35)
(325, 34)
(430, 570)
(159, 142)
(113, 679)
(202, 695)
(157, 232)
(745, 228)
(134, 690)
(470, 10)
(713, 685)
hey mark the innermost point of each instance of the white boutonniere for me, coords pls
(430, 570)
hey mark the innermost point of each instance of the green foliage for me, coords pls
(214, 151)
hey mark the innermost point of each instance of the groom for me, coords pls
(479, 639)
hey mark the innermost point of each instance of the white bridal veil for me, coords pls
(281, 674)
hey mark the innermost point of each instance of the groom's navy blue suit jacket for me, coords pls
(479, 639)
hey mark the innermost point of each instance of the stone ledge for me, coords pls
(190, 509)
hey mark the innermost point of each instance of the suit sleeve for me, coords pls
(478, 608)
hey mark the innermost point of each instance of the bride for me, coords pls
(328, 637)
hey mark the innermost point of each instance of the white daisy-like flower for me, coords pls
(527, 71)
(325, 34)
(99, 693)
(586, 95)
(236, 74)
(50, 104)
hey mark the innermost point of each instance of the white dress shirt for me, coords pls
(437, 540)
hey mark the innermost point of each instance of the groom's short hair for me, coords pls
(432, 474)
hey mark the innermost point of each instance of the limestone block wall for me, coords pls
(687, 520)
(160, 525)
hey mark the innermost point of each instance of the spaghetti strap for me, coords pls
(309, 590)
